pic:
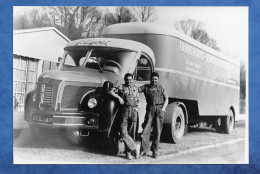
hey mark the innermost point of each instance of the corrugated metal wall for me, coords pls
(24, 78)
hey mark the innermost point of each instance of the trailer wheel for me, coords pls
(178, 125)
(218, 125)
(228, 122)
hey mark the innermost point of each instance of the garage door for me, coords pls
(24, 78)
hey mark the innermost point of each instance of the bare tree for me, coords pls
(38, 19)
(213, 44)
(195, 30)
(200, 35)
(33, 18)
(74, 21)
(21, 21)
(109, 18)
(187, 26)
(121, 15)
(94, 24)
(145, 13)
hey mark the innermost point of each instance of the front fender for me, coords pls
(106, 109)
(109, 109)
(28, 105)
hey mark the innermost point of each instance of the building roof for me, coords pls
(40, 43)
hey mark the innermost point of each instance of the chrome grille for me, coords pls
(47, 94)
(44, 94)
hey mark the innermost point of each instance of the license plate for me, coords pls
(42, 119)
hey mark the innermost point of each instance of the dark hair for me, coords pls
(127, 75)
(107, 86)
(154, 74)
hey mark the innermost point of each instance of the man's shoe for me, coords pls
(129, 156)
(155, 155)
(136, 154)
(142, 154)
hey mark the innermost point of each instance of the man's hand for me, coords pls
(136, 109)
(121, 101)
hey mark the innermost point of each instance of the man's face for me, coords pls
(154, 80)
(128, 80)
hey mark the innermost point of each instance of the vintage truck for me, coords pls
(202, 84)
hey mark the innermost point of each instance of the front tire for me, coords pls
(178, 125)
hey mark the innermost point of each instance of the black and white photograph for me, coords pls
(130, 85)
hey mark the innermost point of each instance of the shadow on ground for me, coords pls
(23, 138)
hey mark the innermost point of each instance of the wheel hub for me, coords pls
(178, 123)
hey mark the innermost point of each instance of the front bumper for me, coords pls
(65, 119)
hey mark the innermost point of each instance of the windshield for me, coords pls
(109, 59)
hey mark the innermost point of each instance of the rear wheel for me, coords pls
(217, 124)
(228, 122)
(178, 125)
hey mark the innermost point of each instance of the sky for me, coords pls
(227, 25)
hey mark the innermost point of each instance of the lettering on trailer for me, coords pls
(231, 79)
(202, 55)
(92, 42)
(193, 67)
(214, 73)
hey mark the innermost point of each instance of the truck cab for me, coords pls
(73, 96)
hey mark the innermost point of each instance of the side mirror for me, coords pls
(58, 63)
(59, 59)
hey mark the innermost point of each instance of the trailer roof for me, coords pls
(152, 28)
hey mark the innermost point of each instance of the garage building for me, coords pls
(34, 51)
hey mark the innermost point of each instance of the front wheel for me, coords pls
(178, 125)
(228, 122)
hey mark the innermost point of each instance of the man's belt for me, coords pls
(129, 106)
(155, 104)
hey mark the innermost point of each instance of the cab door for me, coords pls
(142, 73)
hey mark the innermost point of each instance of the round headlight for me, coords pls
(92, 102)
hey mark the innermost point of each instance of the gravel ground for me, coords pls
(54, 149)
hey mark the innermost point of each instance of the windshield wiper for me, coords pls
(100, 69)
(88, 57)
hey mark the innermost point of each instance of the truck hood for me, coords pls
(80, 75)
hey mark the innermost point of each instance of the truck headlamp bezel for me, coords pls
(92, 103)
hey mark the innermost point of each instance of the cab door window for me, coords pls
(143, 69)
